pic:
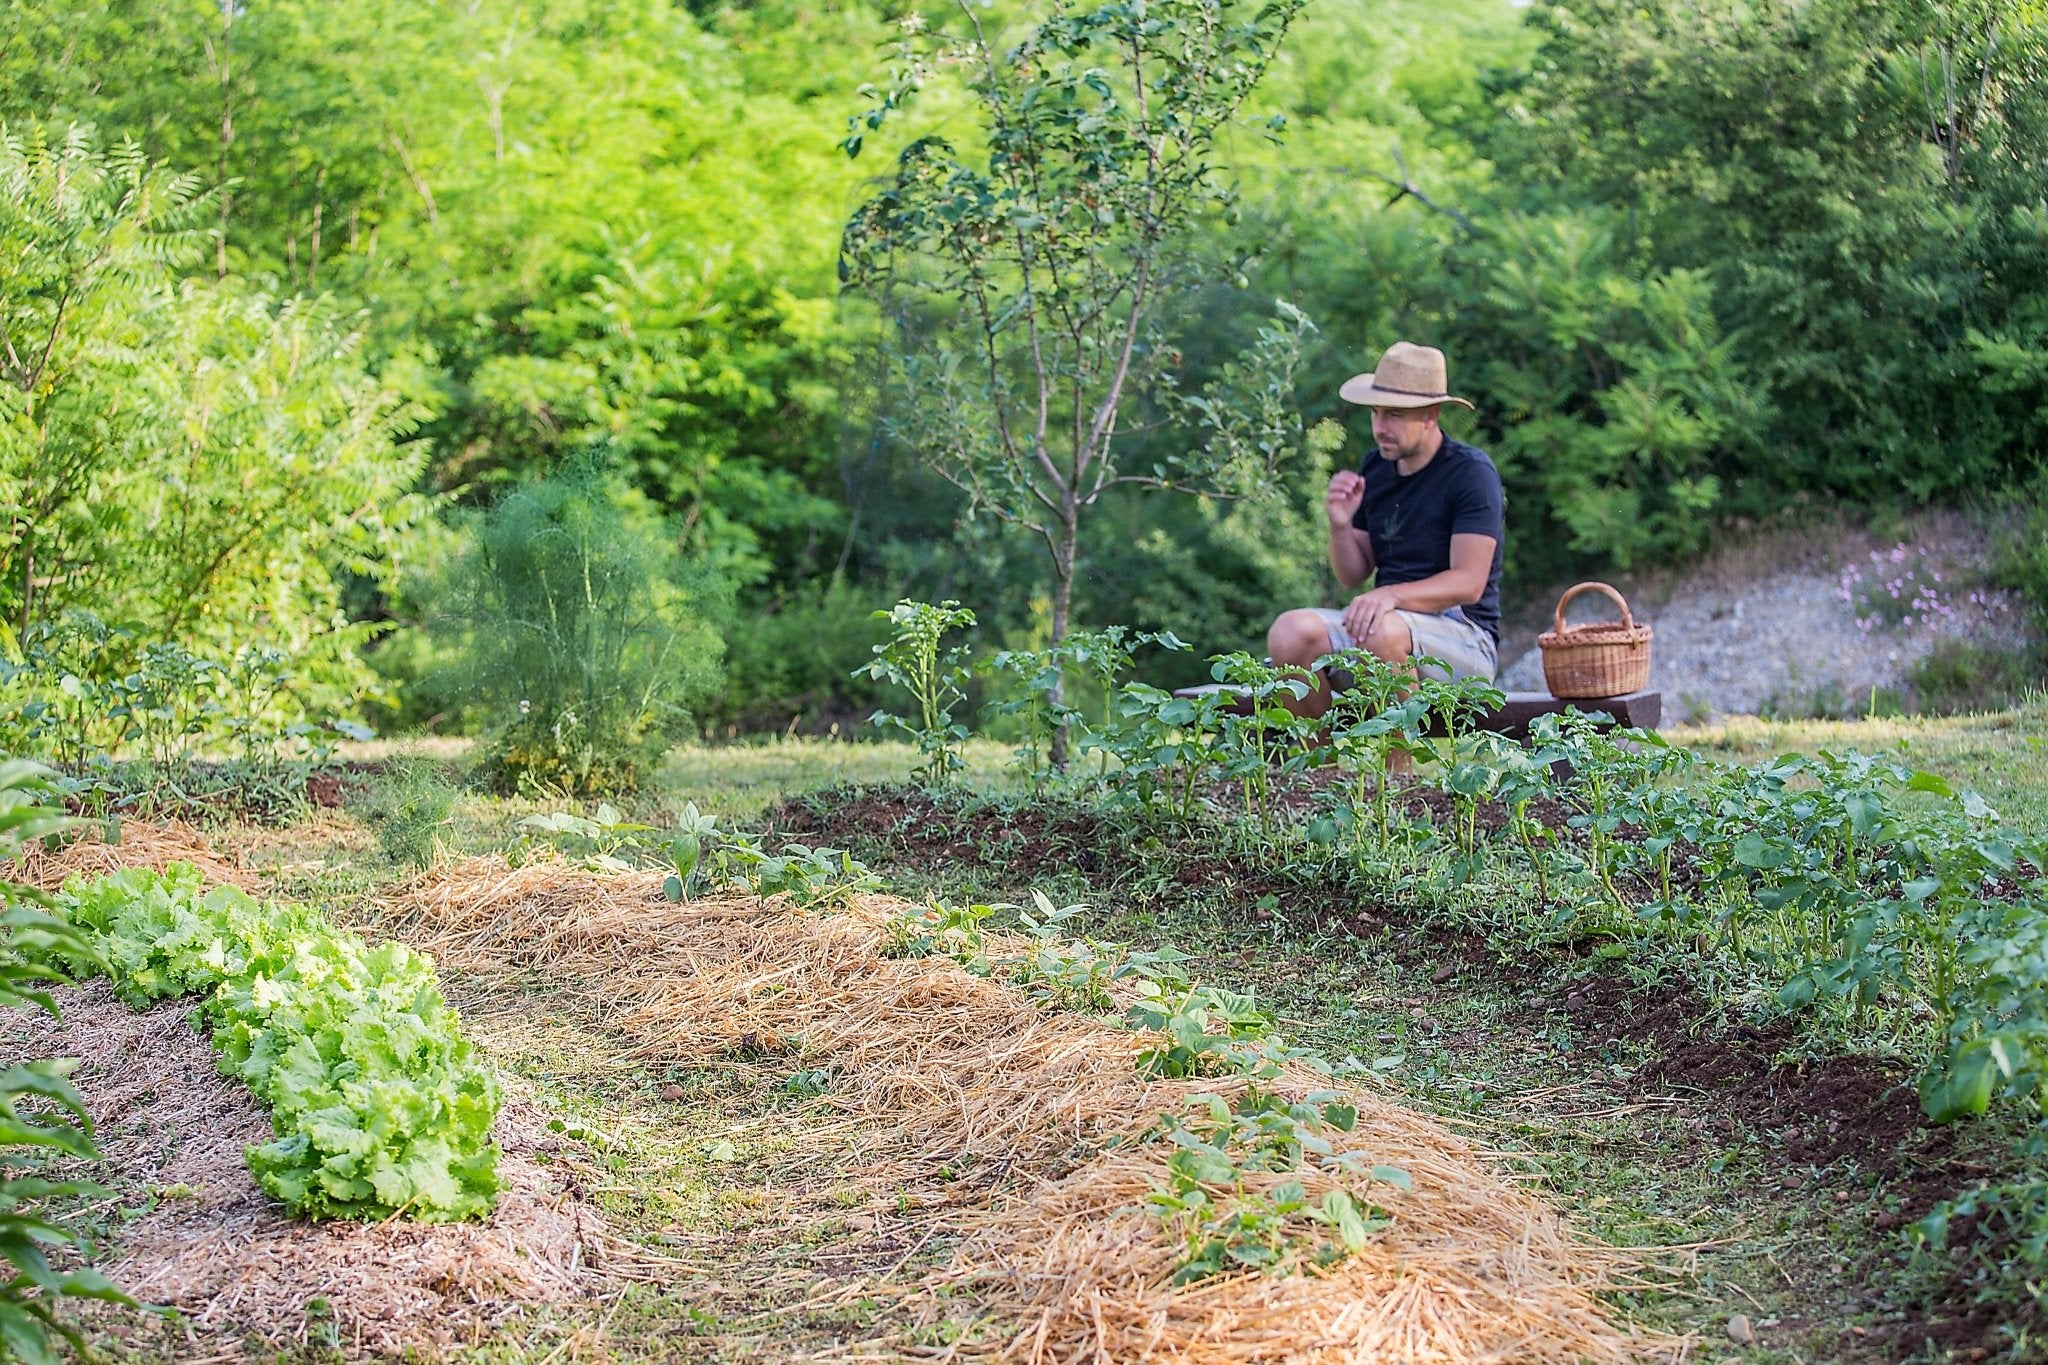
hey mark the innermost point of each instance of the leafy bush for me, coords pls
(191, 457)
(811, 878)
(584, 632)
(1959, 676)
(41, 1115)
(1229, 1219)
(1041, 693)
(75, 689)
(378, 1105)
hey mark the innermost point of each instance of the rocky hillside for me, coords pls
(1801, 622)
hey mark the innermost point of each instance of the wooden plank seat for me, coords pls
(1638, 710)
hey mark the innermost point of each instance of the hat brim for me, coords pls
(1364, 391)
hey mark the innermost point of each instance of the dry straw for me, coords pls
(942, 1069)
(136, 845)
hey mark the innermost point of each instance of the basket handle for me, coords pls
(1628, 619)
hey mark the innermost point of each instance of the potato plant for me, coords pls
(42, 1117)
(915, 659)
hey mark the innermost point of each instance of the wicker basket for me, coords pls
(1603, 659)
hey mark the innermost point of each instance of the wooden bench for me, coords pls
(1636, 711)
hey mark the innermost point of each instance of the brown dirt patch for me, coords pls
(1817, 1111)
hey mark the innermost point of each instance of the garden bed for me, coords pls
(186, 1227)
(1842, 1132)
(1015, 1133)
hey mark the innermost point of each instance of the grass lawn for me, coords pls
(2002, 754)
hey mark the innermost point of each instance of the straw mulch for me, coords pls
(940, 1068)
(235, 1264)
(153, 845)
(1471, 1270)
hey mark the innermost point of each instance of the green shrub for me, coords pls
(935, 677)
(584, 633)
(797, 662)
(1962, 676)
(74, 688)
(195, 457)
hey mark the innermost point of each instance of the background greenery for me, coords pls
(1696, 260)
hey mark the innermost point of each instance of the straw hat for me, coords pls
(1408, 376)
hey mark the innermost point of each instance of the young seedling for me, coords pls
(936, 678)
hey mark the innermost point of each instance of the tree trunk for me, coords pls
(1062, 611)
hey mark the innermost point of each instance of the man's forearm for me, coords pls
(1348, 557)
(1440, 592)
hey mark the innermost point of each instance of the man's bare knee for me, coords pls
(1298, 637)
(1390, 640)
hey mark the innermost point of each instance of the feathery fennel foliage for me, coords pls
(585, 632)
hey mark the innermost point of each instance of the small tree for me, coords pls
(1033, 286)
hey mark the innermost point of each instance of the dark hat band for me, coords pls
(1406, 393)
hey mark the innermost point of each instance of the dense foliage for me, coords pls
(192, 461)
(378, 1104)
(1695, 261)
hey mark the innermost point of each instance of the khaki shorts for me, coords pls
(1449, 635)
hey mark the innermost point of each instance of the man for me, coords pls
(1423, 516)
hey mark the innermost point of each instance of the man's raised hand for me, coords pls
(1347, 491)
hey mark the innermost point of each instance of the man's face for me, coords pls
(1403, 433)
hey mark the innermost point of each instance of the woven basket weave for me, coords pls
(1600, 659)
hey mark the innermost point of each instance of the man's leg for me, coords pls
(1296, 640)
(1391, 641)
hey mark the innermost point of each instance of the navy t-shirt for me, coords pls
(1412, 518)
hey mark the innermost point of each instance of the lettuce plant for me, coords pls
(378, 1103)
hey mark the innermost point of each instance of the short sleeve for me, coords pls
(1477, 506)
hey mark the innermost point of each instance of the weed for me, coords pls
(811, 878)
(941, 929)
(1228, 1219)
(409, 806)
